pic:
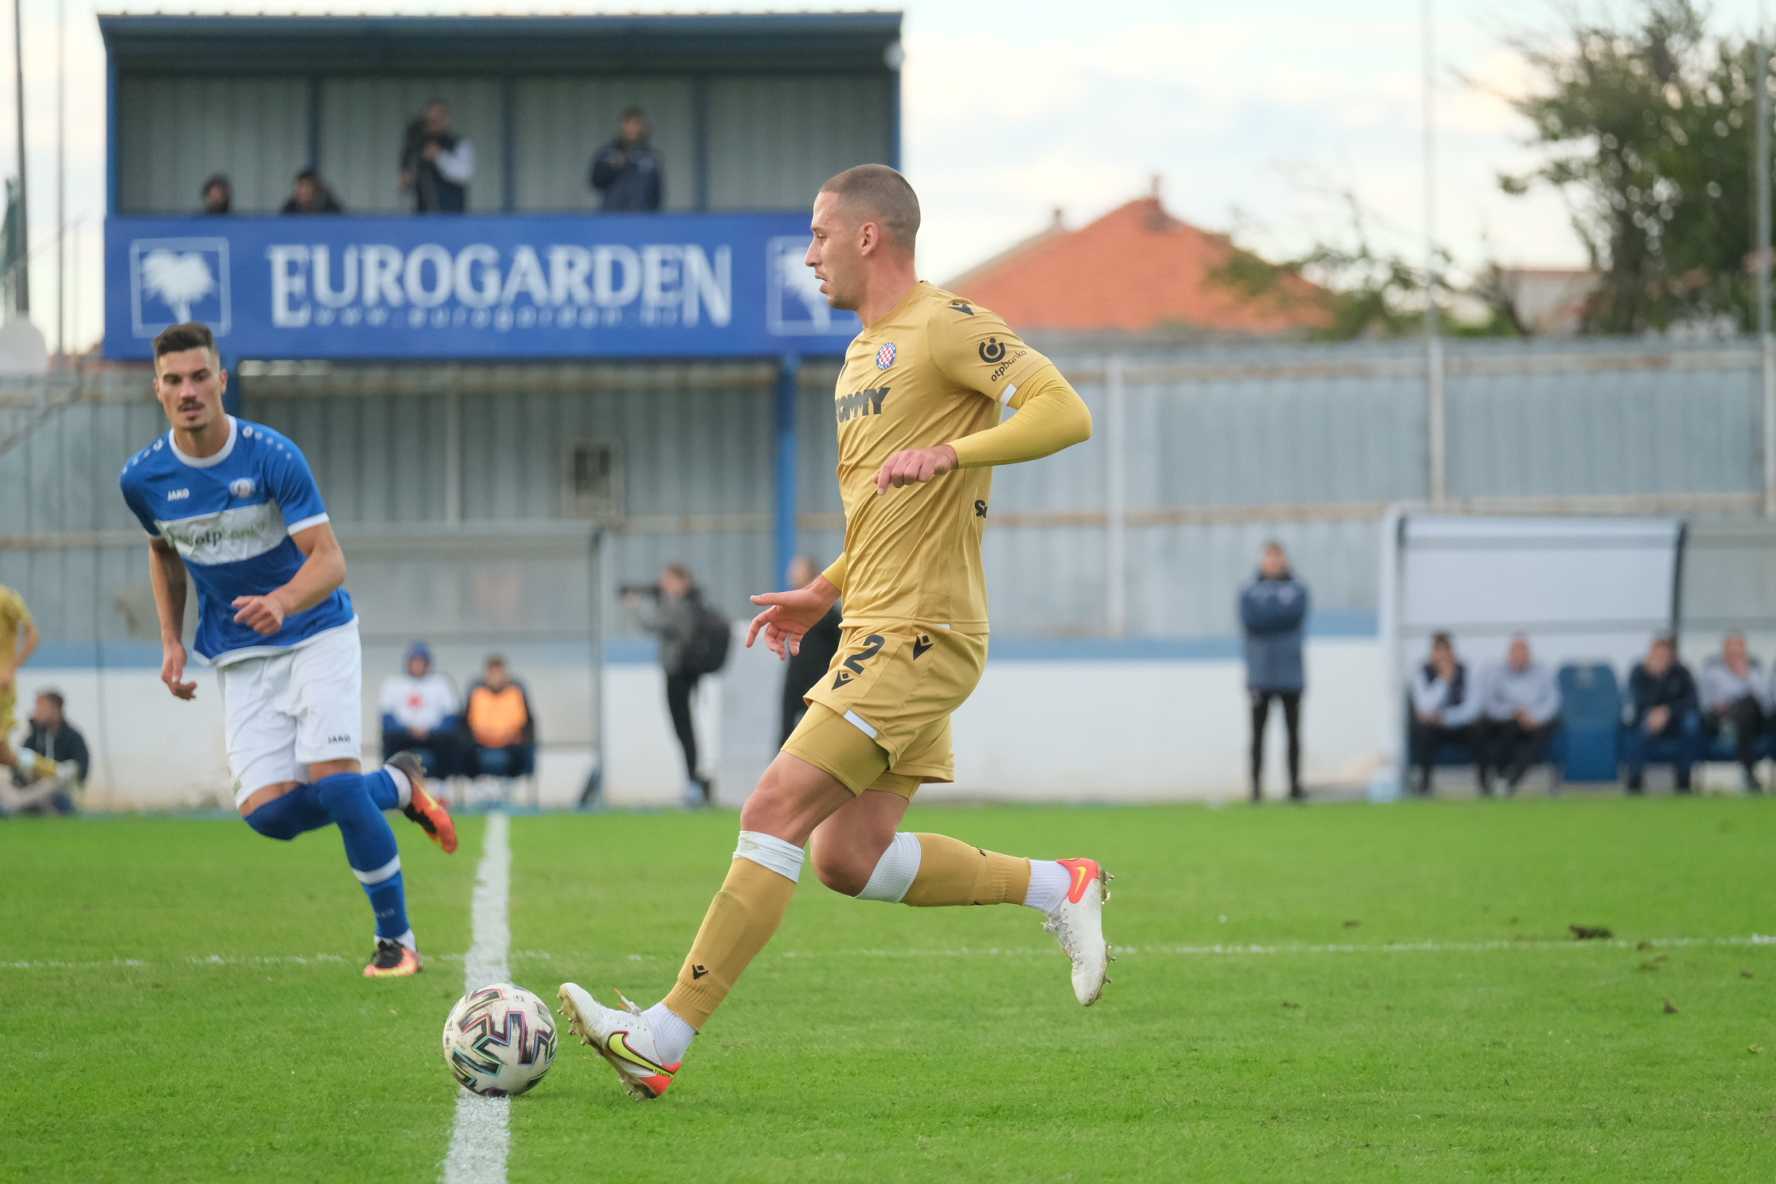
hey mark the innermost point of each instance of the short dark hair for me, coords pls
(214, 180)
(309, 174)
(54, 696)
(1441, 638)
(495, 660)
(631, 113)
(882, 194)
(190, 335)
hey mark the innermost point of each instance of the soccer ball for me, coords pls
(499, 1040)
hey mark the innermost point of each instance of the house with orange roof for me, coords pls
(1137, 270)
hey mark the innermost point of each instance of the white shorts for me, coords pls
(289, 710)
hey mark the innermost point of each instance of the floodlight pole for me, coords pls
(1435, 407)
(1766, 347)
(23, 263)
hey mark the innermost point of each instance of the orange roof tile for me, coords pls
(1134, 270)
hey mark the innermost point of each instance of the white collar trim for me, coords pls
(207, 462)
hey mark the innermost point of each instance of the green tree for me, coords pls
(1648, 125)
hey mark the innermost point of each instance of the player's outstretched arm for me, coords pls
(787, 616)
(166, 575)
(321, 573)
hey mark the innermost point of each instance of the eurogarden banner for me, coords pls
(463, 288)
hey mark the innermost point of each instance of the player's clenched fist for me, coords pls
(916, 465)
(262, 614)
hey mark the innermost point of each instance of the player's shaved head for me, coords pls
(876, 193)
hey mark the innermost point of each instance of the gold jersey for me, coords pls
(935, 369)
(14, 619)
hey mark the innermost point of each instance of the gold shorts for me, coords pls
(8, 704)
(879, 718)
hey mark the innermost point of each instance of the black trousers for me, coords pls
(1513, 749)
(1291, 701)
(679, 687)
(1748, 720)
(1428, 738)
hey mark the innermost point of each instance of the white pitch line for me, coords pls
(1218, 950)
(483, 1132)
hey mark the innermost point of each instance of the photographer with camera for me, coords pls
(436, 163)
(694, 642)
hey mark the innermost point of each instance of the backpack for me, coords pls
(711, 638)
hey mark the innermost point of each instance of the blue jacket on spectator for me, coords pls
(1674, 689)
(1273, 613)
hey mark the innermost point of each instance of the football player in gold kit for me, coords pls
(918, 406)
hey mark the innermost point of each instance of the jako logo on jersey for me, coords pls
(864, 402)
(241, 488)
(178, 495)
(963, 307)
(885, 356)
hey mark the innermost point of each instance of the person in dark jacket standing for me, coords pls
(809, 662)
(436, 163)
(672, 613)
(626, 172)
(1662, 704)
(1273, 613)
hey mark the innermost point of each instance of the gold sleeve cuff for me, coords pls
(835, 573)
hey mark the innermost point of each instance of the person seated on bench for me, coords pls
(1445, 705)
(1735, 697)
(1662, 706)
(1522, 709)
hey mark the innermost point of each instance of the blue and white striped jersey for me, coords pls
(230, 516)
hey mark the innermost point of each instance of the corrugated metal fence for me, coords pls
(1200, 455)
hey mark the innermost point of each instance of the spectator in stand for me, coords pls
(1445, 706)
(626, 172)
(671, 610)
(60, 767)
(815, 654)
(420, 714)
(1736, 698)
(436, 163)
(217, 195)
(1522, 709)
(501, 723)
(1662, 704)
(1273, 612)
(311, 196)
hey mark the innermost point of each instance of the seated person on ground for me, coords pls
(1662, 705)
(1445, 705)
(420, 713)
(1735, 701)
(55, 764)
(501, 724)
(1522, 709)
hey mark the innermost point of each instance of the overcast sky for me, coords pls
(1254, 116)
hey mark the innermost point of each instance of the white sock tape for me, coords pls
(895, 871)
(771, 853)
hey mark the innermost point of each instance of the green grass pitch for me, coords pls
(182, 1002)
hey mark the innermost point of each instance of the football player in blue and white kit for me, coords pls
(234, 504)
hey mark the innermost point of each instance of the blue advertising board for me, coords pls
(460, 288)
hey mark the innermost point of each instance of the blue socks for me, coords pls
(354, 803)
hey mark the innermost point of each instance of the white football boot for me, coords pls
(1078, 924)
(624, 1038)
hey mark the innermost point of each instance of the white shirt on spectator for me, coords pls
(419, 702)
(1531, 689)
(1721, 688)
(1430, 693)
(457, 165)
